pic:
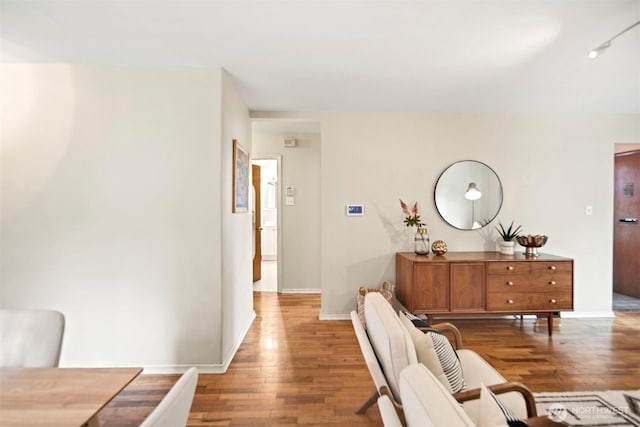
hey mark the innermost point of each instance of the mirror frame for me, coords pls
(447, 169)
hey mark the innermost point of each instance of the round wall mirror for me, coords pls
(468, 195)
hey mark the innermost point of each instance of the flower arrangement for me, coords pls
(412, 218)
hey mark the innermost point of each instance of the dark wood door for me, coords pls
(257, 221)
(626, 228)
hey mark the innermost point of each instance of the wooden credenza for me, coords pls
(476, 283)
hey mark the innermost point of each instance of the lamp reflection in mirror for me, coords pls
(473, 194)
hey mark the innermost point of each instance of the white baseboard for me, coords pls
(229, 356)
(217, 368)
(588, 314)
(300, 291)
(334, 316)
(180, 369)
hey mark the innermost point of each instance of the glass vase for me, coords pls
(421, 241)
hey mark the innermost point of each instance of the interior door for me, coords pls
(626, 229)
(257, 221)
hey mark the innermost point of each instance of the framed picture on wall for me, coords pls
(241, 167)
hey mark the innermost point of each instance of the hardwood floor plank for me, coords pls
(293, 369)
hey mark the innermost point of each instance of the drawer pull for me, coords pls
(510, 268)
(509, 283)
(552, 267)
(509, 301)
(552, 301)
(552, 282)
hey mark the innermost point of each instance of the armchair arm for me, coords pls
(530, 401)
(388, 412)
(448, 327)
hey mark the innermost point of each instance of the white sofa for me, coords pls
(392, 345)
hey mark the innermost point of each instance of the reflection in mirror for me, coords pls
(468, 195)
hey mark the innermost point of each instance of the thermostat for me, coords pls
(355, 210)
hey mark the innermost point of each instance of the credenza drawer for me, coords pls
(510, 301)
(518, 283)
(533, 268)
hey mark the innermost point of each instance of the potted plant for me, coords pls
(506, 244)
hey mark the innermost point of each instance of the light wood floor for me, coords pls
(293, 369)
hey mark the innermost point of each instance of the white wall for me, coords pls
(300, 227)
(551, 167)
(113, 210)
(237, 228)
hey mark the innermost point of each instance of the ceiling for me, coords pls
(358, 55)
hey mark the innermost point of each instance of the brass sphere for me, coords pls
(439, 247)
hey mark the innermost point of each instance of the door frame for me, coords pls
(280, 247)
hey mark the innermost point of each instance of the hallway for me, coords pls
(269, 278)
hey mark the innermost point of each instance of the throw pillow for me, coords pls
(384, 289)
(434, 350)
(417, 322)
(493, 413)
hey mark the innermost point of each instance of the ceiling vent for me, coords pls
(290, 142)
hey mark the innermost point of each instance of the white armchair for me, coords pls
(393, 347)
(427, 403)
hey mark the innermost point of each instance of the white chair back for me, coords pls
(427, 403)
(30, 338)
(173, 410)
(390, 340)
(369, 355)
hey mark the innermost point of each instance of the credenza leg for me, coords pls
(550, 323)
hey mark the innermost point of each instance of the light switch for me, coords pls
(588, 210)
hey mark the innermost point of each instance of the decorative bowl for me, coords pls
(439, 247)
(532, 243)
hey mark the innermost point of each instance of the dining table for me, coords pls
(59, 396)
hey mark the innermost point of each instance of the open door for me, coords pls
(626, 228)
(257, 221)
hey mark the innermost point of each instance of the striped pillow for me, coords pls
(435, 352)
(448, 360)
(493, 413)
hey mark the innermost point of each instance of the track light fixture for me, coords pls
(595, 52)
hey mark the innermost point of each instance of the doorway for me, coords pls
(626, 228)
(269, 224)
